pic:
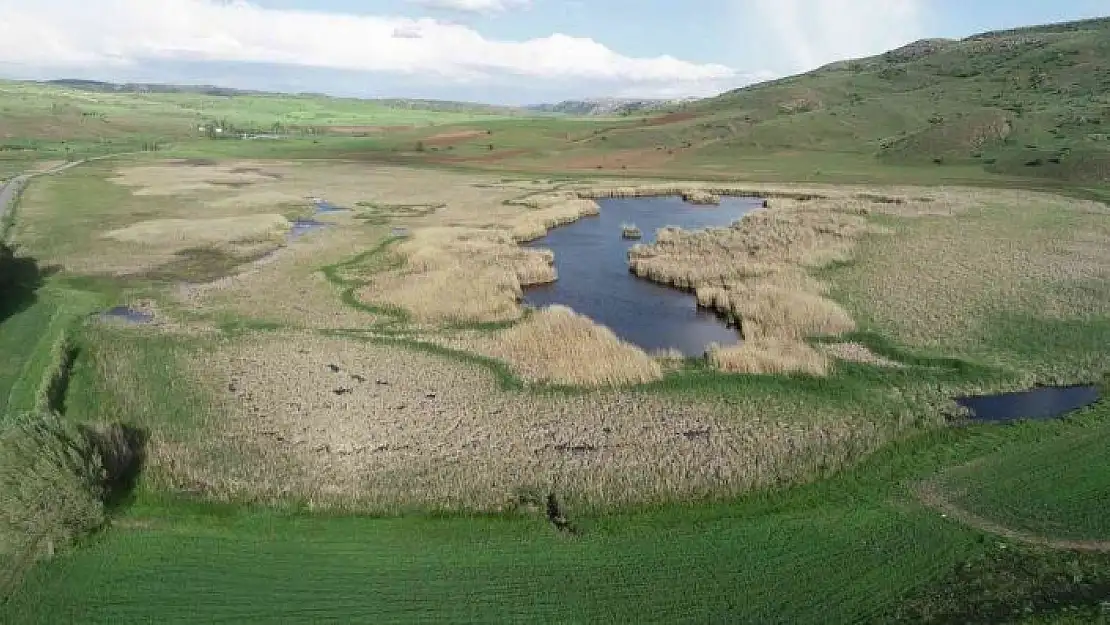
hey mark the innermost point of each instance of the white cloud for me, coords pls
(407, 32)
(805, 34)
(127, 33)
(473, 6)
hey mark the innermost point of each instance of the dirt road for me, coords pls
(12, 188)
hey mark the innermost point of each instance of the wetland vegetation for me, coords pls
(352, 425)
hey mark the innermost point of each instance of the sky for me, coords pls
(497, 51)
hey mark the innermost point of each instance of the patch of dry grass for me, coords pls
(350, 425)
(697, 196)
(459, 274)
(768, 310)
(179, 234)
(557, 345)
(855, 352)
(769, 356)
(535, 224)
(288, 288)
(944, 280)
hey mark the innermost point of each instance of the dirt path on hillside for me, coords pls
(8, 192)
(931, 495)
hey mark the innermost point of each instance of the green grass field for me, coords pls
(1046, 489)
(857, 548)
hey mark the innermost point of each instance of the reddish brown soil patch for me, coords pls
(483, 158)
(623, 159)
(451, 138)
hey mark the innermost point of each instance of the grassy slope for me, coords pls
(1056, 489)
(856, 548)
(26, 340)
(999, 108)
(997, 101)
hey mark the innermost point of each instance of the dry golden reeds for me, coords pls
(176, 234)
(535, 224)
(754, 273)
(698, 196)
(560, 346)
(461, 275)
(769, 356)
(766, 310)
(487, 293)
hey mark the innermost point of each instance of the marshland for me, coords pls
(378, 374)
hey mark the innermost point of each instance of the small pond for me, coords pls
(1046, 402)
(127, 315)
(592, 260)
(324, 206)
(302, 227)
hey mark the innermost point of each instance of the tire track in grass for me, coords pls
(933, 496)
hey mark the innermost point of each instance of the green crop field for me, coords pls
(1054, 489)
(312, 444)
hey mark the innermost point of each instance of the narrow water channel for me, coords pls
(592, 260)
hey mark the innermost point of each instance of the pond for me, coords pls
(1046, 402)
(592, 260)
(302, 227)
(127, 315)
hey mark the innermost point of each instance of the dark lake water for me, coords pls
(127, 315)
(1040, 403)
(592, 261)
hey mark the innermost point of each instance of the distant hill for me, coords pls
(1030, 101)
(603, 106)
(108, 87)
(97, 86)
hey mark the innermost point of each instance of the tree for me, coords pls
(20, 277)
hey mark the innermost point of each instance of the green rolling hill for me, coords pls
(1032, 102)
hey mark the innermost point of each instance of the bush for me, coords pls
(52, 483)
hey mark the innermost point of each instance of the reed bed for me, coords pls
(462, 275)
(756, 274)
(193, 233)
(698, 196)
(769, 357)
(454, 295)
(695, 189)
(557, 345)
(535, 224)
(342, 424)
(766, 310)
